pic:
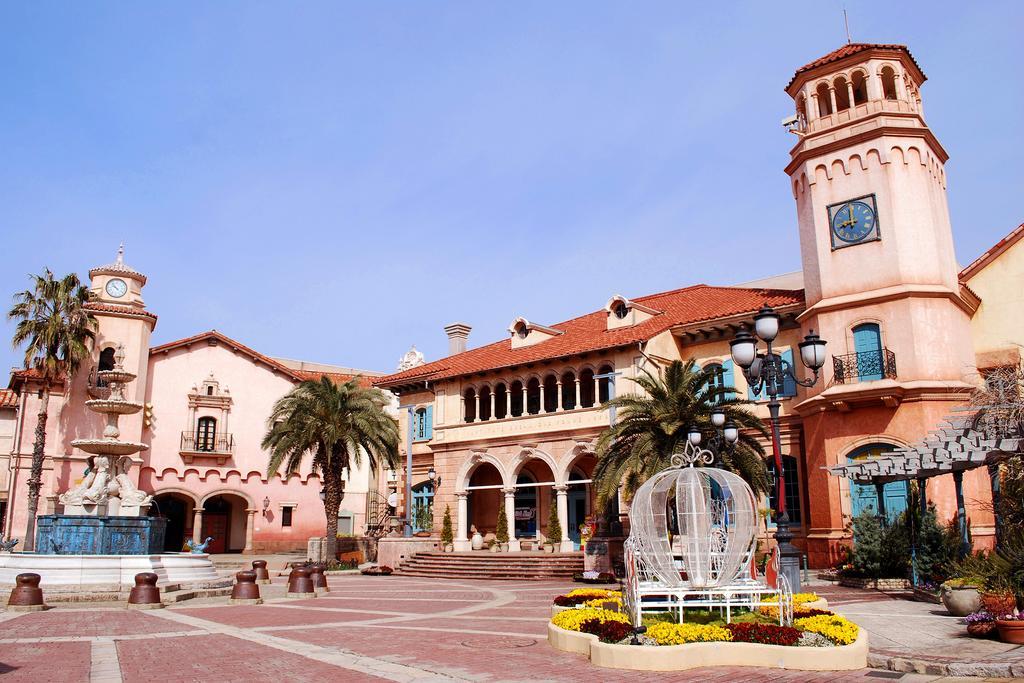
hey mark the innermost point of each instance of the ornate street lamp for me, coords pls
(724, 439)
(434, 479)
(768, 372)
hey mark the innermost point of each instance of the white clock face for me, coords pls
(117, 288)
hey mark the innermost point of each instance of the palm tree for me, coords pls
(336, 424)
(652, 426)
(57, 330)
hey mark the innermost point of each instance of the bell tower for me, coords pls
(869, 180)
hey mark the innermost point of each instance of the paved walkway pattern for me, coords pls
(369, 629)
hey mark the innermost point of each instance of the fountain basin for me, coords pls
(93, 570)
(100, 535)
(108, 446)
(108, 406)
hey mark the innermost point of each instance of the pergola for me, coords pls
(975, 437)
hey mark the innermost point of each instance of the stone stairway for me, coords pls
(494, 566)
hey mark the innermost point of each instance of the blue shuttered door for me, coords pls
(428, 428)
(729, 377)
(867, 344)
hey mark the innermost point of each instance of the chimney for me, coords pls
(457, 333)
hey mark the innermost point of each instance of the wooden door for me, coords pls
(215, 524)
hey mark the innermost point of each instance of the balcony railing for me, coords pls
(220, 446)
(96, 387)
(864, 366)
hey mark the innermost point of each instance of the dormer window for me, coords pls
(625, 313)
(621, 310)
(522, 331)
(525, 333)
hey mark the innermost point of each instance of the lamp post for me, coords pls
(768, 372)
(723, 440)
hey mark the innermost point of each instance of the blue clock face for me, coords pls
(117, 288)
(853, 221)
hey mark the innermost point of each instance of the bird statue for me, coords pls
(8, 545)
(198, 547)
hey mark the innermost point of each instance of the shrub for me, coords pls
(680, 634)
(879, 552)
(572, 619)
(501, 533)
(554, 527)
(607, 631)
(447, 535)
(766, 634)
(832, 626)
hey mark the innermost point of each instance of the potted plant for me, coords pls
(980, 624)
(501, 533)
(447, 536)
(493, 545)
(961, 596)
(1011, 627)
(554, 536)
(998, 601)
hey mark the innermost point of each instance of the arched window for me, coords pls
(842, 94)
(604, 384)
(206, 434)
(469, 398)
(860, 88)
(107, 359)
(485, 403)
(517, 398)
(533, 396)
(587, 388)
(500, 402)
(568, 391)
(792, 486)
(423, 507)
(621, 310)
(824, 100)
(550, 394)
(867, 344)
(864, 497)
(888, 83)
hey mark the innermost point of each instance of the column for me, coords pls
(250, 518)
(541, 407)
(461, 526)
(476, 402)
(832, 97)
(197, 525)
(883, 518)
(961, 513)
(510, 512)
(562, 501)
(849, 93)
(873, 86)
(508, 401)
(493, 414)
(597, 391)
(813, 112)
(558, 403)
(578, 404)
(525, 392)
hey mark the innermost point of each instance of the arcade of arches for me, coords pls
(527, 492)
(225, 517)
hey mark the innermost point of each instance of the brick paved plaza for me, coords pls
(380, 628)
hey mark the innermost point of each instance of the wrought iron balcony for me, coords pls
(864, 366)
(219, 446)
(96, 387)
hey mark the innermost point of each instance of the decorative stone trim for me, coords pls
(695, 655)
(878, 584)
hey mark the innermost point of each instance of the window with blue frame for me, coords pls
(422, 506)
(789, 470)
(422, 426)
(788, 385)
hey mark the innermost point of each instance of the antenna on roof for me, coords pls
(846, 21)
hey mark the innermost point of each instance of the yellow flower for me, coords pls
(834, 627)
(798, 598)
(594, 593)
(679, 634)
(571, 619)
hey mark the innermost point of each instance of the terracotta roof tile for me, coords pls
(589, 332)
(336, 377)
(998, 248)
(115, 308)
(8, 398)
(846, 51)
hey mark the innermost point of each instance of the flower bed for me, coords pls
(588, 597)
(379, 570)
(594, 577)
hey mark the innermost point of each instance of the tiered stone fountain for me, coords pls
(105, 535)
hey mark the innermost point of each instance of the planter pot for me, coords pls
(549, 548)
(504, 547)
(922, 595)
(477, 541)
(998, 603)
(1011, 631)
(495, 548)
(982, 630)
(422, 534)
(449, 548)
(961, 601)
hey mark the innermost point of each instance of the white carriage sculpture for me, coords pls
(709, 563)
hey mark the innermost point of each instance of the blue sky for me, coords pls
(335, 181)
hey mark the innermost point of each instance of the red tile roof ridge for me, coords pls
(978, 264)
(848, 50)
(8, 398)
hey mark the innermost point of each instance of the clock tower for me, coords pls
(869, 180)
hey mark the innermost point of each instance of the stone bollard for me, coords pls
(260, 568)
(26, 596)
(318, 578)
(245, 591)
(145, 594)
(299, 584)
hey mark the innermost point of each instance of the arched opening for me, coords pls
(178, 509)
(533, 396)
(550, 394)
(224, 520)
(824, 100)
(423, 506)
(483, 503)
(867, 344)
(535, 476)
(579, 505)
(526, 506)
(864, 497)
(469, 401)
(842, 94)
(604, 384)
(801, 110)
(206, 434)
(485, 403)
(860, 87)
(587, 388)
(500, 402)
(517, 398)
(568, 391)
(888, 83)
(106, 359)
